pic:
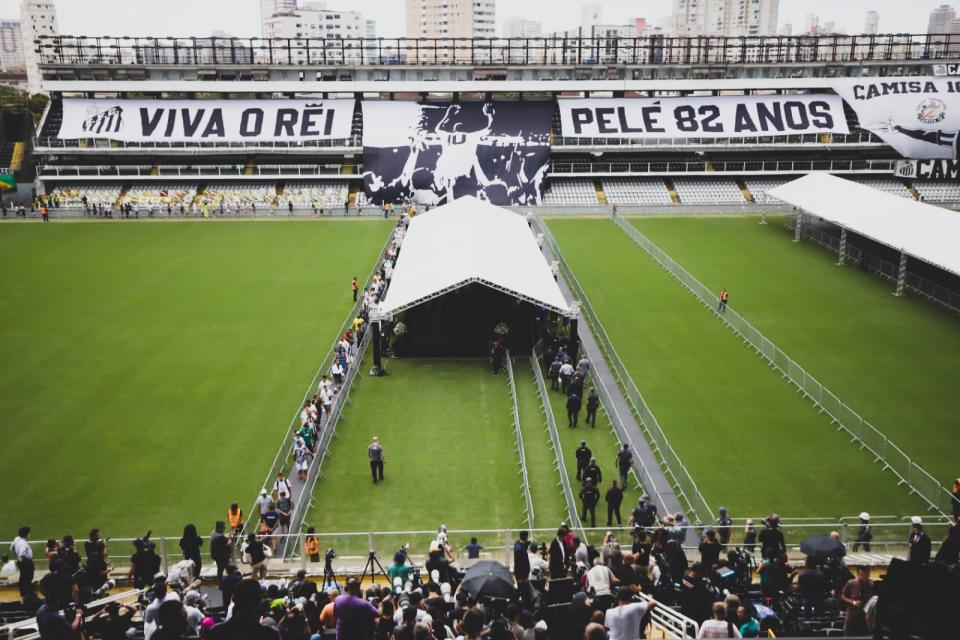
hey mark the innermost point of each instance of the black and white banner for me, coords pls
(207, 120)
(929, 169)
(919, 117)
(701, 117)
(435, 153)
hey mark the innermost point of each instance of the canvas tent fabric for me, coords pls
(920, 230)
(470, 241)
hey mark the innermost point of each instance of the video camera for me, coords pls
(330, 555)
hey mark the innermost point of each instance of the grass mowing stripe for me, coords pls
(737, 425)
(448, 437)
(891, 359)
(150, 370)
(549, 506)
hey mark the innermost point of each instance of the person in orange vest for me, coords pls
(312, 546)
(355, 287)
(44, 213)
(235, 518)
(724, 297)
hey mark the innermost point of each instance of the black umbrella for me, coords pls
(490, 579)
(822, 547)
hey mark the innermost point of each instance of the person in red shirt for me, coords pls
(856, 593)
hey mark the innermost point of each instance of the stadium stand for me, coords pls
(71, 196)
(642, 191)
(304, 195)
(161, 195)
(242, 195)
(888, 185)
(567, 192)
(758, 186)
(937, 191)
(708, 191)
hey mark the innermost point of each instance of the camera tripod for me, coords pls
(372, 567)
(329, 577)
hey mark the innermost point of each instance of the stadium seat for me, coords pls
(641, 191)
(239, 195)
(327, 194)
(887, 185)
(938, 191)
(758, 186)
(708, 191)
(570, 192)
(71, 196)
(161, 195)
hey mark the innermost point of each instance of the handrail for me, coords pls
(572, 511)
(683, 482)
(556, 50)
(869, 438)
(528, 500)
(286, 446)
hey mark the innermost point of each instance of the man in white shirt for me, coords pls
(536, 562)
(719, 627)
(566, 372)
(264, 502)
(600, 579)
(282, 485)
(623, 620)
(23, 554)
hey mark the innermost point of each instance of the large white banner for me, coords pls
(919, 117)
(207, 120)
(701, 117)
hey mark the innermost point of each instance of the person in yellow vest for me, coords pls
(724, 297)
(312, 546)
(235, 519)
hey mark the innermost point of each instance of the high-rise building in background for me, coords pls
(872, 24)
(314, 20)
(11, 45)
(521, 28)
(270, 8)
(942, 20)
(451, 19)
(725, 17)
(37, 18)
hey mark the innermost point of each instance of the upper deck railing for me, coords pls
(548, 51)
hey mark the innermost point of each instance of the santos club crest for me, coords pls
(931, 111)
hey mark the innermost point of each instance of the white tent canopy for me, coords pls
(920, 230)
(470, 241)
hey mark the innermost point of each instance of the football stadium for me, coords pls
(528, 336)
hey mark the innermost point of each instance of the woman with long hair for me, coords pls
(190, 544)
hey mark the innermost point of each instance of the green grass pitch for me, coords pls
(449, 441)
(748, 439)
(150, 370)
(892, 359)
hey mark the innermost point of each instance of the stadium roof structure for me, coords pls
(923, 231)
(471, 241)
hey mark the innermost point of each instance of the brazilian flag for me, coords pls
(8, 181)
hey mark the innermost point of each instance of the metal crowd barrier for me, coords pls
(884, 451)
(527, 499)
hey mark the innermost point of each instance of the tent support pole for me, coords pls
(763, 212)
(797, 226)
(377, 349)
(901, 274)
(574, 345)
(842, 255)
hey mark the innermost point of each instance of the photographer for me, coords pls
(772, 543)
(221, 548)
(113, 622)
(144, 563)
(51, 623)
(68, 560)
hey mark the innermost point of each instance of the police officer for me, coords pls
(583, 458)
(589, 496)
(593, 472)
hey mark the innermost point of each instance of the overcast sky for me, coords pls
(241, 17)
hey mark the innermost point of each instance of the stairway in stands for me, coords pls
(912, 189)
(601, 196)
(744, 190)
(674, 196)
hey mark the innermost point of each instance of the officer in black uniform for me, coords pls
(593, 472)
(589, 496)
(583, 458)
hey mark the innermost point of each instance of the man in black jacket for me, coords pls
(573, 409)
(583, 458)
(614, 498)
(558, 556)
(593, 472)
(919, 542)
(589, 496)
(772, 543)
(521, 561)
